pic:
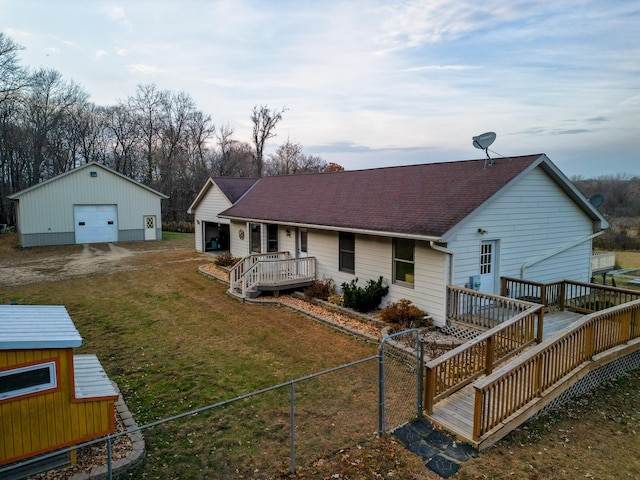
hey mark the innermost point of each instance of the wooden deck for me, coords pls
(455, 413)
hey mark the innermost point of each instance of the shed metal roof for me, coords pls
(37, 326)
(90, 379)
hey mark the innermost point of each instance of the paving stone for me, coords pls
(422, 427)
(461, 451)
(443, 466)
(439, 440)
(407, 435)
(424, 451)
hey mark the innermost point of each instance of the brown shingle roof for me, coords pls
(234, 187)
(426, 199)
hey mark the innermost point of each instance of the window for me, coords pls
(347, 252)
(272, 238)
(26, 380)
(403, 260)
(255, 230)
(486, 251)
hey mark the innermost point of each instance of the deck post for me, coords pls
(488, 357)
(540, 329)
(563, 293)
(477, 415)
(429, 389)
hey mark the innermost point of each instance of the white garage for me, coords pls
(89, 204)
(96, 223)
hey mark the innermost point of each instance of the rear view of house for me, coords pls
(421, 227)
(89, 204)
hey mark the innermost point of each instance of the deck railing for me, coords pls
(513, 386)
(602, 262)
(481, 309)
(278, 272)
(568, 295)
(237, 272)
(462, 365)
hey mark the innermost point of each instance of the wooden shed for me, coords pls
(89, 204)
(49, 397)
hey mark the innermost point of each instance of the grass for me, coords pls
(173, 341)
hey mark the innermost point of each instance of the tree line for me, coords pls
(620, 206)
(160, 138)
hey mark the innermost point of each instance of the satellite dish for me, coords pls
(596, 200)
(484, 141)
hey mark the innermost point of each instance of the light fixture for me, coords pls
(288, 232)
(482, 231)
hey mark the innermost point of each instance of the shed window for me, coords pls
(25, 380)
(403, 261)
(347, 252)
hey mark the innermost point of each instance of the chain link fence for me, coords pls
(279, 430)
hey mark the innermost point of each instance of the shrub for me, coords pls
(404, 314)
(226, 260)
(364, 299)
(182, 227)
(322, 289)
(336, 299)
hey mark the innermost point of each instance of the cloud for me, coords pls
(440, 68)
(101, 53)
(144, 69)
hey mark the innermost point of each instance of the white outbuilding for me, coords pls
(89, 204)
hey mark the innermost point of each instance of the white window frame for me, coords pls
(51, 385)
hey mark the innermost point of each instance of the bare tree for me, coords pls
(264, 122)
(289, 159)
(13, 77)
(233, 158)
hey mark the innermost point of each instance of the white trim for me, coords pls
(51, 385)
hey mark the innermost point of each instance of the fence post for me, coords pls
(109, 458)
(419, 374)
(292, 428)
(381, 406)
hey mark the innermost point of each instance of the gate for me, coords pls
(400, 377)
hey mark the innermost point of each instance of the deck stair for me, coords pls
(275, 271)
(517, 369)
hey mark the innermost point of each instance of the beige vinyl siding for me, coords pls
(49, 209)
(373, 258)
(210, 206)
(239, 248)
(529, 220)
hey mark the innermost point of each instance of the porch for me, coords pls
(525, 360)
(272, 271)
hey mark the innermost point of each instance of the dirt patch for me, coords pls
(24, 266)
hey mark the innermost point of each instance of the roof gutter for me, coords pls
(442, 249)
(557, 251)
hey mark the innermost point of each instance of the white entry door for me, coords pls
(302, 243)
(150, 227)
(488, 266)
(96, 223)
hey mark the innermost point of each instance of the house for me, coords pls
(422, 227)
(89, 204)
(49, 397)
(218, 194)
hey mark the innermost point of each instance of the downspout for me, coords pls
(448, 252)
(557, 251)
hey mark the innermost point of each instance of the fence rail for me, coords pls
(504, 392)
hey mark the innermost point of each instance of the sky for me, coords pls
(368, 83)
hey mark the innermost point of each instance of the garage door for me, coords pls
(96, 223)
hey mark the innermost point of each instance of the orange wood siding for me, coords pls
(48, 420)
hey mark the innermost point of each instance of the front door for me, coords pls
(149, 227)
(302, 243)
(488, 266)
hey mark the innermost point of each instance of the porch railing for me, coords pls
(603, 261)
(278, 272)
(461, 366)
(503, 393)
(237, 272)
